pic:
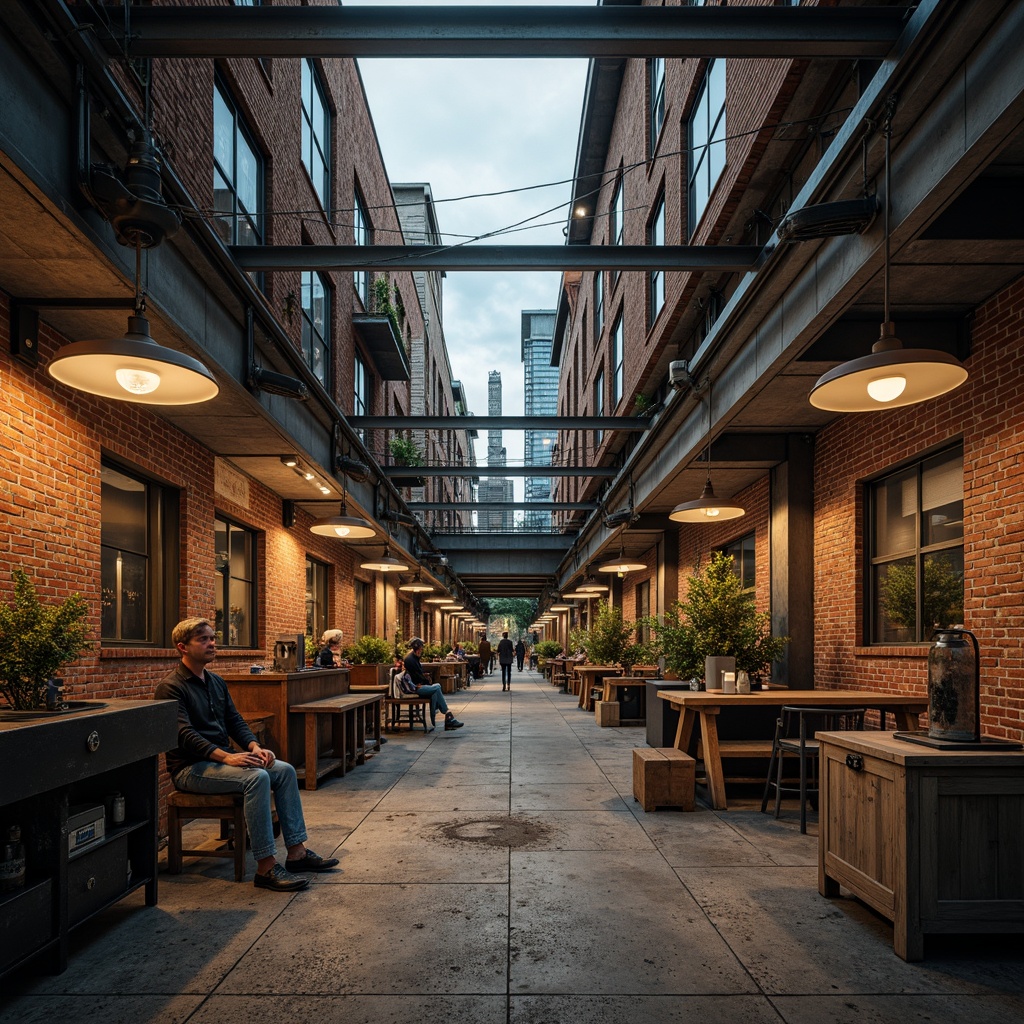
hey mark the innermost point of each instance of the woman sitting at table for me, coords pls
(329, 655)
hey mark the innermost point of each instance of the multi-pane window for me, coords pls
(643, 610)
(316, 134)
(917, 550)
(316, 334)
(138, 558)
(237, 176)
(656, 278)
(598, 304)
(742, 552)
(615, 215)
(316, 598)
(361, 594)
(617, 369)
(363, 235)
(235, 597)
(657, 99)
(361, 391)
(598, 405)
(706, 141)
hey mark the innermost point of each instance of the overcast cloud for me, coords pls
(471, 126)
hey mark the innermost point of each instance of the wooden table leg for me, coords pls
(685, 729)
(311, 749)
(906, 721)
(713, 758)
(338, 739)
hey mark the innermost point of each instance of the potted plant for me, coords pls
(371, 661)
(608, 639)
(433, 652)
(405, 452)
(546, 649)
(718, 619)
(35, 640)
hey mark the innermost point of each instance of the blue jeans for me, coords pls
(257, 785)
(437, 701)
(506, 673)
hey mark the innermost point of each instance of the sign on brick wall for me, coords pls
(230, 483)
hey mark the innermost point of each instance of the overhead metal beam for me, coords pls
(495, 257)
(499, 471)
(506, 31)
(499, 422)
(502, 506)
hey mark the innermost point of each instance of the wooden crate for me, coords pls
(606, 712)
(663, 777)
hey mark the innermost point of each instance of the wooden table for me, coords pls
(348, 722)
(612, 686)
(590, 676)
(931, 839)
(708, 704)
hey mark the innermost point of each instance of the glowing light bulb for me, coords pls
(342, 531)
(887, 389)
(712, 512)
(137, 382)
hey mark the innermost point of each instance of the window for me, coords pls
(316, 335)
(237, 176)
(138, 558)
(598, 405)
(317, 575)
(615, 215)
(643, 609)
(707, 141)
(657, 99)
(361, 592)
(363, 236)
(916, 577)
(316, 134)
(235, 599)
(598, 304)
(617, 373)
(742, 552)
(656, 278)
(361, 392)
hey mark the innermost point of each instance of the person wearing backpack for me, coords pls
(425, 688)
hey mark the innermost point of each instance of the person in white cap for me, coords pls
(329, 655)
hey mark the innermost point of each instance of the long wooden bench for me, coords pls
(351, 728)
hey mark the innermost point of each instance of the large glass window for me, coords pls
(707, 141)
(316, 598)
(598, 304)
(138, 558)
(235, 597)
(316, 334)
(361, 593)
(657, 99)
(742, 552)
(361, 405)
(615, 215)
(598, 405)
(656, 278)
(617, 367)
(316, 133)
(916, 582)
(237, 175)
(363, 235)
(643, 610)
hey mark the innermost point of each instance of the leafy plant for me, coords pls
(35, 640)
(548, 649)
(518, 613)
(609, 636)
(382, 304)
(405, 452)
(433, 651)
(718, 618)
(369, 650)
(643, 403)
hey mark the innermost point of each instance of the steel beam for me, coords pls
(502, 506)
(499, 423)
(499, 471)
(727, 258)
(506, 31)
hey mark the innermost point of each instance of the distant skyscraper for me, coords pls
(540, 381)
(495, 488)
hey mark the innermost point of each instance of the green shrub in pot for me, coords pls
(369, 650)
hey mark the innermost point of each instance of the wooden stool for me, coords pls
(663, 777)
(226, 807)
(606, 712)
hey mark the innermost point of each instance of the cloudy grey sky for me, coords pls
(471, 126)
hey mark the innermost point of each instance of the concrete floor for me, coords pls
(503, 873)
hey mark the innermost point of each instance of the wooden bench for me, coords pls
(663, 777)
(606, 712)
(227, 808)
(416, 708)
(740, 748)
(348, 733)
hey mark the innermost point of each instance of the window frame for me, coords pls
(312, 144)
(656, 100)
(314, 339)
(598, 304)
(708, 142)
(224, 595)
(616, 214)
(738, 549)
(240, 132)
(362, 234)
(318, 576)
(598, 406)
(656, 278)
(617, 362)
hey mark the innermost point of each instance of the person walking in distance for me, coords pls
(484, 650)
(506, 652)
(520, 653)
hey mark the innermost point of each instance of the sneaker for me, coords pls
(452, 723)
(280, 880)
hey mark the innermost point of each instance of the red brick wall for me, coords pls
(987, 414)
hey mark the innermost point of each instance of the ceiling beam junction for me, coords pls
(499, 423)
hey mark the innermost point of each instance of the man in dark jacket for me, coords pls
(486, 655)
(506, 652)
(425, 688)
(203, 761)
(520, 653)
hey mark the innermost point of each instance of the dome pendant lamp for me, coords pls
(621, 564)
(386, 563)
(707, 508)
(343, 526)
(891, 376)
(134, 368)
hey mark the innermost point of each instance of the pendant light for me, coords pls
(386, 563)
(133, 367)
(707, 508)
(621, 565)
(343, 526)
(417, 586)
(891, 376)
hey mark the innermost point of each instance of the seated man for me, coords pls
(425, 688)
(203, 761)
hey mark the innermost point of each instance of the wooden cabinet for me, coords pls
(53, 765)
(931, 839)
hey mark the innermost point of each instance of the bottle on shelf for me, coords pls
(117, 810)
(12, 864)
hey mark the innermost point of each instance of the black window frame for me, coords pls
(318, 592)
(223, 597)
(226, 223)
(317, 147)
(716, 121)
(316, 338)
